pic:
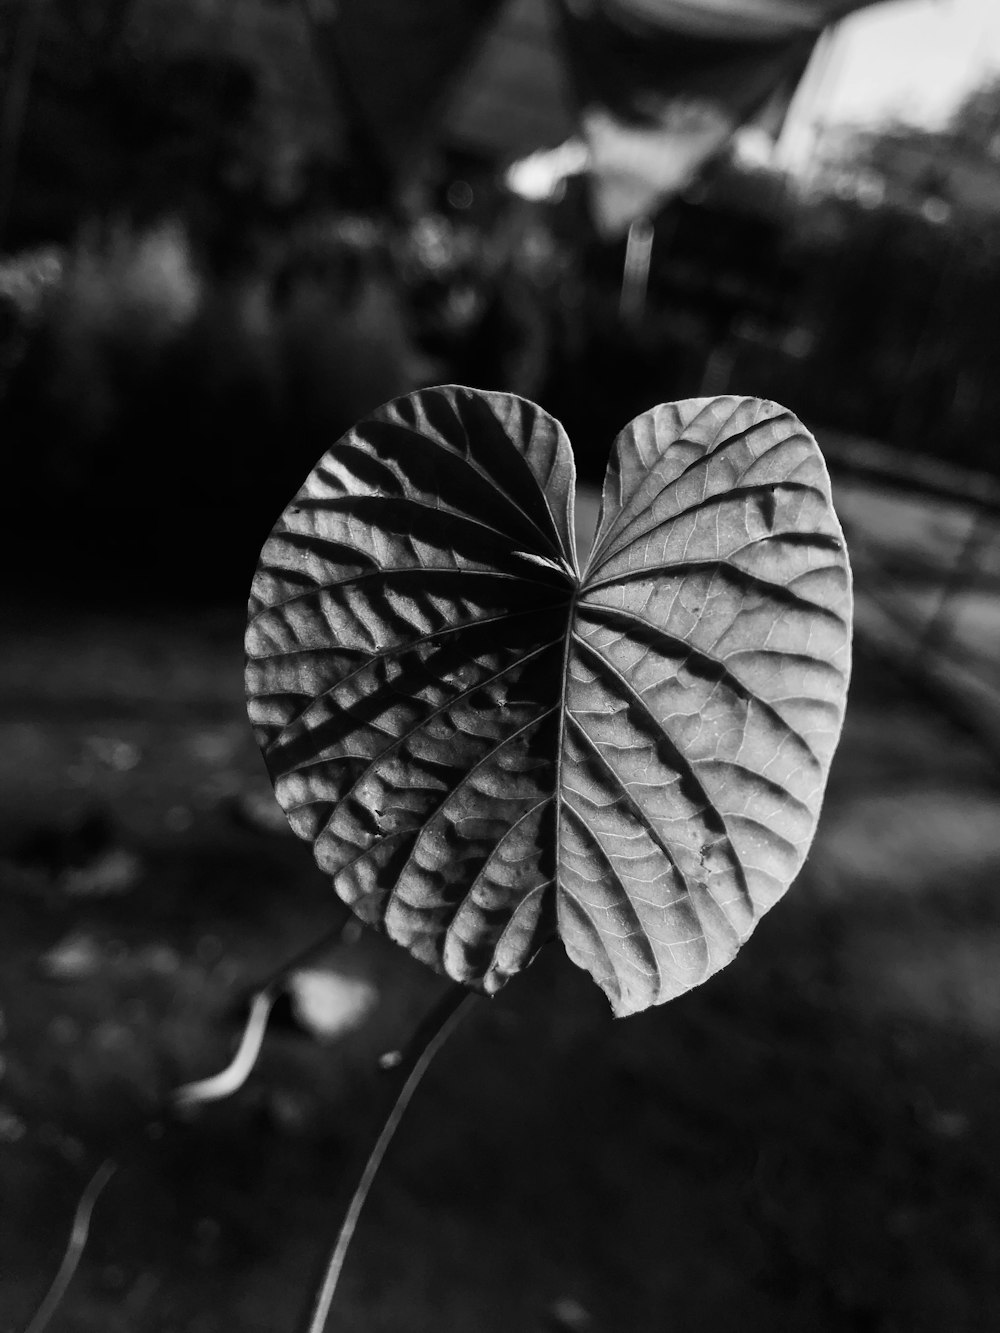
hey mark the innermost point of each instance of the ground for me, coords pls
(810, 1142)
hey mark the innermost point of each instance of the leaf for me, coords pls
(486, 750)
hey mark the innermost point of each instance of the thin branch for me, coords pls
(239, 1069)
(236, 1073)
(429, 1039)
(74, 1250)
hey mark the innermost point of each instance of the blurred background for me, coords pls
(229, 228)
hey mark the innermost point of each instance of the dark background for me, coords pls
(203, 283)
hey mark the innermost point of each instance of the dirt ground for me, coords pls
(810, 1142)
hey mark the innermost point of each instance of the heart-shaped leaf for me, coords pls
(486, 749)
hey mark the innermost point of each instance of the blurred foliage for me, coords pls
(189, 289)
(196, 108)
(894, 329)
(953, 170)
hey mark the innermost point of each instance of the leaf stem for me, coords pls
(427, 1041)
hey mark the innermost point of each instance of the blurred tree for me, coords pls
(139, 108)
(937, 171)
